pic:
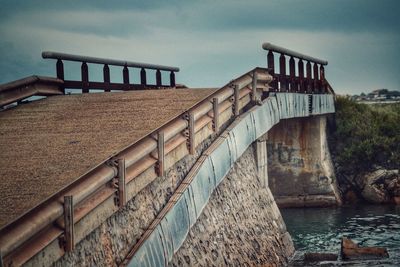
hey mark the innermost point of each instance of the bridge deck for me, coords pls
(47, 144)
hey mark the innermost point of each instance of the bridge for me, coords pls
(123, 178)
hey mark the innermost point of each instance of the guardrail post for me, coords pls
(310, 84)
(271, 67)
(69, 223)
(191, 143)
(216, 115)
(106, 77)
(322, 78)
(158, 78)
(60, 71)
(172, 79)
(292, 73)
(254, 87)
(282, 74)
(161, 153)
(143, 80)
(85, 77)
(236, 100)
(316, 79)
(125, 75)
(121, 183)
(301, 76)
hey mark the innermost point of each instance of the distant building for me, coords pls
(378, 96)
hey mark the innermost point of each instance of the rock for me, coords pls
(318, 256)
(380, 186)
(351, 251)
(374, 194)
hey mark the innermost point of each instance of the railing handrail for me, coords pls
(288, 52)
(113, 62)
(28, 81)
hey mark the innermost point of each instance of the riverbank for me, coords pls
(364, 141)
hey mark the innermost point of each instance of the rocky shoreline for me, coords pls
(380, 186)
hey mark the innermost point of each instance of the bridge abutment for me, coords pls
(299, 164)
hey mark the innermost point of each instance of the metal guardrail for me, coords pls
(18, 90)
(306, 82)
(85, 84)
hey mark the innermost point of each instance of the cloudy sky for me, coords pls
(212, 41)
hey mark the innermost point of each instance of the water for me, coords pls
(320, 230)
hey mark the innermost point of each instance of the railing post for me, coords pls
(292, 73)
(172, 79)
(254, 87)
(316, 78)
(106, 77)
(191, 133)
(158, 78)
(121, 183)
(69, 223)
(85, 77)
(282, 74)
(161, 153)
(236, 100)
(60, 71)
(301, 76)
(322, 78)
(310, 84)
(216, 115)
(271, 67)
(143, 79)
(125, 75)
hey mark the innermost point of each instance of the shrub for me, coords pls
(366, 136)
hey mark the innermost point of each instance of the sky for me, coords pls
(211, 41)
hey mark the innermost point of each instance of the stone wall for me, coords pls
(109, 243)
(241, 224)
(300, 169)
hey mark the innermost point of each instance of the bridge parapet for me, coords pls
(310, 82)
(107, 85)
(17, 91)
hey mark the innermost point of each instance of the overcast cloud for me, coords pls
(211, 41)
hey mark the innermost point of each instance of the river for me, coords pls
(320, 230)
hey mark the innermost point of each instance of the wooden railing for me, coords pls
(309, 80)
(85, 84)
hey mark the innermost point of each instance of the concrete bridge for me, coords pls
(160, 174)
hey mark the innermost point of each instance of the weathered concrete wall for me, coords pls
(299, 164)
(240, 225)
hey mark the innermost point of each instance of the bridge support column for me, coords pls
(262, 161)
(300, 167)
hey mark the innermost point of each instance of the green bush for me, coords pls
(366, 136)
